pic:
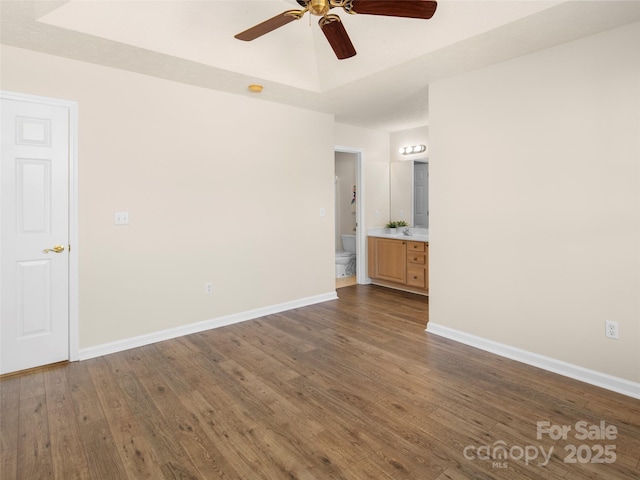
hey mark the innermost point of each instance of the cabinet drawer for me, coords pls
(415, 247)
(417, 258)
(416, 277)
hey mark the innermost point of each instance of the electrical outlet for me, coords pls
(121, 218)
(208, 288)
(611, 329)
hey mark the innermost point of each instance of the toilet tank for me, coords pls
(349, 243)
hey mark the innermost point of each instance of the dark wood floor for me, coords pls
(347, 389)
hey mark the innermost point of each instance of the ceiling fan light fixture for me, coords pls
(255, 88)
(332, 26)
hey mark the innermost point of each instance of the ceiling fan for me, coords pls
(331, 24)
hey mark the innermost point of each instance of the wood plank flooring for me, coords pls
(347, 389)
(346, 281)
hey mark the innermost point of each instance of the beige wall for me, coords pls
(401, 171)
(374, 147)
(535, 202)
(402, 138)
(215, 189)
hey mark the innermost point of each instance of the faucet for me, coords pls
(407, 232)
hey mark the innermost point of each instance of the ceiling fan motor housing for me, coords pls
(319, 7)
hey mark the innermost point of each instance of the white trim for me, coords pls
(74, 319)
(74, 242)
(147, 339)
(609, 382)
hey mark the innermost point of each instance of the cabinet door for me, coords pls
(391, 260)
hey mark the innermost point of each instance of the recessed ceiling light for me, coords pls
(255, 88)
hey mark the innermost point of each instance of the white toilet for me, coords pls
(346, 259)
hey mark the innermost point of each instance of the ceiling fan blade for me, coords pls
(395, 8)
(266, 26)
(337, 36)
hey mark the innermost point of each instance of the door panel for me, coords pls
(34, 176)
(34, 202)
(391, 261)
(33, 289)
(421, 195)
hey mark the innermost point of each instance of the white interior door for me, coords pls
(34, 288)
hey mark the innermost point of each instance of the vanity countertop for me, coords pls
(418, 234)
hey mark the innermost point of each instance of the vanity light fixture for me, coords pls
(255, 88)
(410, 150)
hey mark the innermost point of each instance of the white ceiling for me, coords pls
(384, 86)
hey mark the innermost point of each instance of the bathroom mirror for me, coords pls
(409, 188)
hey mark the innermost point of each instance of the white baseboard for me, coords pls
(586, 375)
(147, 339)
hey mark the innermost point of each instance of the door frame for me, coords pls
(361, 237)
(74, 321)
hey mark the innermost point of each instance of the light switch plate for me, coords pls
(122, 218)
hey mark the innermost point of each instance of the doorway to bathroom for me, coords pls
(346, 217)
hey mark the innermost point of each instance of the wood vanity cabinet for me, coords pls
(417, 262)
(399, 264)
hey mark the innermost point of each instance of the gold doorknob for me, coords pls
(56, 249)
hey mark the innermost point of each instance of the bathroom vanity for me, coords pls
(399, 261)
